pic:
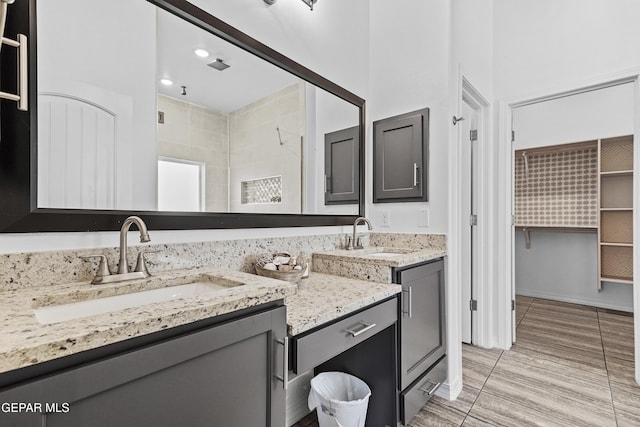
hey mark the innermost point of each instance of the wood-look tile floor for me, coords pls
(572, 365)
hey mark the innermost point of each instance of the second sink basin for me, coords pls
(203, 284)
(384, 252)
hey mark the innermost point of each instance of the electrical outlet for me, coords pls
(423, 217)
(385, 218)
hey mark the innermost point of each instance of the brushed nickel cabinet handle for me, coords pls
(367, 327)
(285, 362)
(409, 292)
(23, 72)
(431, 390)
(415, 174)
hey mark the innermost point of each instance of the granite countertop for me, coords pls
(24, 341)
(322, 298)
(386, 256)
(318, 299)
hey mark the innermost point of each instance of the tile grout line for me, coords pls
(525, 313)
(482, 388)
(494, 367)
(606, 367)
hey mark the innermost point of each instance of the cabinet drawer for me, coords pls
(414, 397)
(316, 347)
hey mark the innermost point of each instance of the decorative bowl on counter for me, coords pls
(281, 266)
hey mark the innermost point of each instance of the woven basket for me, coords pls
(289, 276)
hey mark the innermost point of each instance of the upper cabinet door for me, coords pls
(400, 158)
(341, 165)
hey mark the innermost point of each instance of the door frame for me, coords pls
(457, 219)
(505, 230)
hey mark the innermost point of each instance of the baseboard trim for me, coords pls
(544, 295)
(450, 391)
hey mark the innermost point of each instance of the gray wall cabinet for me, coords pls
(422, 334)
(223, 375)
(342, 166)
(400, 158)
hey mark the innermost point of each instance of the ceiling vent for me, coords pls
(218, 64)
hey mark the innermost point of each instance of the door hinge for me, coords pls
(473, 220)
(473, 305)
(473, 135)
(513, 220)
(513, 304)
(513, 135)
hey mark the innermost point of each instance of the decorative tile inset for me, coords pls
(262, 190)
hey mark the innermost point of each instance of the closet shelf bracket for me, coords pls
(527, 238)
(526, 164)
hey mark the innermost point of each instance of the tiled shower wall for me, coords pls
(258, 151)
(191, 132)
(557, 189)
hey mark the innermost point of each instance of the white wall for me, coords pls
(409, 69)
(547, 44)
(472, 42)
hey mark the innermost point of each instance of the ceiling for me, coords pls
(248, 78)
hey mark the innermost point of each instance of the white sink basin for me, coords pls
(384, 254)
(200, 285)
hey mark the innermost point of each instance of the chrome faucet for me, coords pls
(123, 268)
(355, 244)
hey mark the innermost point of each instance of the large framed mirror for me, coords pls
(160, 109)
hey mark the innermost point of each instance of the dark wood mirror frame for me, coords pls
(18, 144)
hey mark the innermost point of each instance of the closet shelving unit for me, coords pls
(615, 230)
(581, 187)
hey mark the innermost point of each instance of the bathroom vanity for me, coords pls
(229, 373)
(422, 360)
(345, 325)
(215, 358)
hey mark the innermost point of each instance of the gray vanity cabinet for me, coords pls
(342, 166)
(224, 375)
(400, 157)
(422, 350)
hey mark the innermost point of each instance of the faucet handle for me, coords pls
(141, 263)
(348, 242)
(103, 267)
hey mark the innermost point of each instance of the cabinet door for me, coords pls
(221, 376)
(341, 166)
(422, 325)
(400, 147)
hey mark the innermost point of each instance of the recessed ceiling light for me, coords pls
(166, 82)
(201, 53)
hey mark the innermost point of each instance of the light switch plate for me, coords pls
(423, 217)
(385, 218)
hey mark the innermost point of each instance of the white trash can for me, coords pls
(340, 399)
